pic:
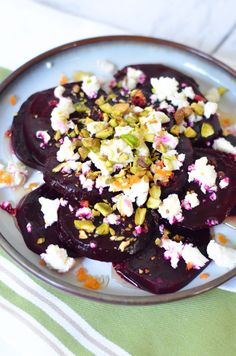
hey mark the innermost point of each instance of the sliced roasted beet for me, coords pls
(214, 207)
(180, 177)
(31, 223)
(34, 115)
(110, 246)
(149, 270)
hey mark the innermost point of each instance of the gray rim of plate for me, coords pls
(86, 293)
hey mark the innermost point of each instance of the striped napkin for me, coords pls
(40, 320)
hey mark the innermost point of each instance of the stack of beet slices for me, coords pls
(90, 223)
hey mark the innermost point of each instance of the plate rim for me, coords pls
(77, 290)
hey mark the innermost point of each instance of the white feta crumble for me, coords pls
(166, 139)
(66, 151)
(99, 163)
(152, 122)
(190, 201)
(143, 150)
(188, 91)
(172, 160)
(115, 150)
(204, 174)
(13, 175)
(210, 108)
(49, 208)
(138, 192)
(170, 209)
(132, 78)
(224, 182)
(84, 212)
(221, 144)
(112, 219)
(91, 86)
(164, 87)
(179, 100)
(86, 183)
(222, 255)
(57, 258)
(122, 130)
(213, 95)
(172, 252)
(69, 166)
(124, 205)
(44, 136)
(193, 256)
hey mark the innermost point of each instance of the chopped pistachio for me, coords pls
(222, 90)
(153, 203)
(113, 123)
(103, 134)
(100, 100)
(76, 130)
(197, 108)
(95, 213)
(207, 130)
(112, 231)
(57, 136)
(131, 140)
(123, 245)
(108, 164)
(155, 191)
(140, 215)
(90, 142)
(40, 240)
(81, 107)
(190, 133)
(83, 235)
(149, 138)
(59, 167)
(102, 229)
(84, 133)
(123, 157)
(104, 208)
(175, 130)
(86, 225)
(83, 152)
(158, 242)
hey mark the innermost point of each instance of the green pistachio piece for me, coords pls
(86, 225)
(139, 217)
(57, 136)
(123, 157)
(72, 134)
(83, 152)
(190, 133)
(149, 138)
(113, 123)
(155, 191)
(197, 108)
(107, 108)
(95, 213)
(76, 130)
(84, 133)
(153, 203)
(81, 107)
(222, 90)
(103, 134)
(112, 231)
(120, 109)
(41, 240)
(59, 167)
(102, 229)
(100, 100)
(104, 208)
(108, 164)
(131, 140)
(207, 130)
(175, 130)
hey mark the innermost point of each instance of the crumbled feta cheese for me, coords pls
(213, 95)
(13, 175)
(190, 201)
(222, 255)
(223, 145)
(210, 108)
(188, 91)
(179, 100)
(204, 174)
(91, 86)
(59, 91)
(165, 139)
(124, 205)
(164, 87)
(69, 166)
(95, 126)
(224, 182)
(143, 150)
(44, 136)
(29, 227)
(173, 251)
(152, 122)
(86, 183)
(193, 256)
(116, 150)
(122, 130)
(138, 192)
(170, 209)
(112, 219)
(49, 208)
(66, 151)
(172, 160)
(133, 77)
(57, 258)
(99, 163)
(86, 167)
(84, 213)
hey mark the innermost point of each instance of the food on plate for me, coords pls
(135, 175)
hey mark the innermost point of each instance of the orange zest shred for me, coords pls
(63, 80)
(204, 275)
(32, 185)
(90, 282)
(13, 100)
(5, 178)
(189, 266)
(222, 239)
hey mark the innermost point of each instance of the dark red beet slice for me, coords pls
(31, 223)
(104, 247)
(212, 212)
(149, 270)
(34, 115)
(180, 177)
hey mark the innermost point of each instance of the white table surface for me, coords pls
(29, 27)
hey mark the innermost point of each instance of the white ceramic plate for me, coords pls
(83, 55)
